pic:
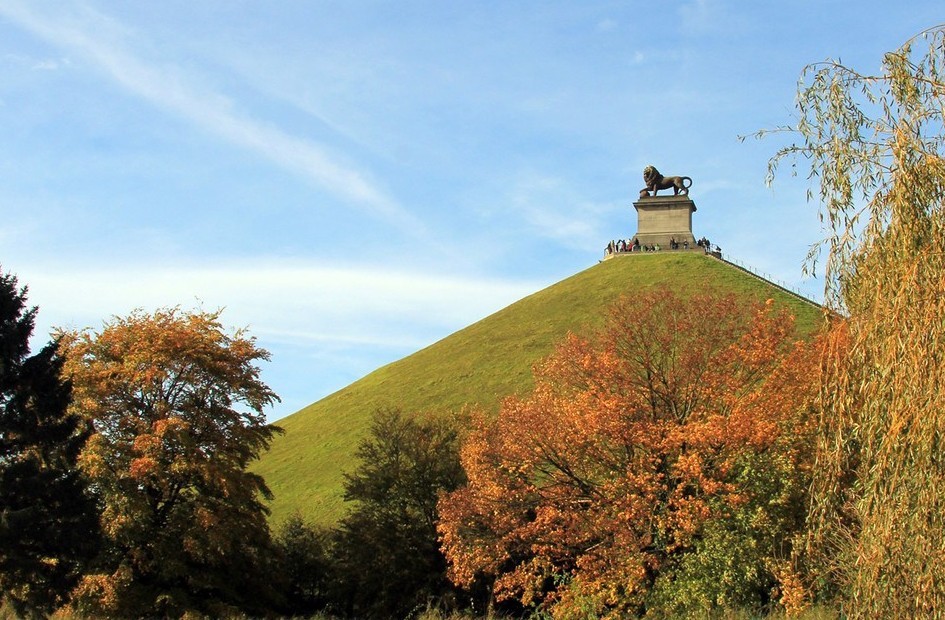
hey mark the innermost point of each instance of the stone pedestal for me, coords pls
(662, 218)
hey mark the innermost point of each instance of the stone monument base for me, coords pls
(663, 219)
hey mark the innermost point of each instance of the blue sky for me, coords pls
(354, 180)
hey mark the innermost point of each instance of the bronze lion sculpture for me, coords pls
(656, 181)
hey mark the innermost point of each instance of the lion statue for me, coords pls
(656, 181)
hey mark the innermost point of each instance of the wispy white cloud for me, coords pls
(49, 65)
(554, 211)
(102, 41)
(326, 325)
(710, 18)
(284, 301)
(607, 25)
(696, 15)
(36, 64)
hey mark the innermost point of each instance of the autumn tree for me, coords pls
(875, 147)
(48, 523)
(659, 467)
(387, 560)
(177, 407)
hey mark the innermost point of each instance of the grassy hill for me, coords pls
(479, 364)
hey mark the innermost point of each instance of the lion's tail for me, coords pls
(684, 182)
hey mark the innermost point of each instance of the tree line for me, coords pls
(125, 489)
(673, 444)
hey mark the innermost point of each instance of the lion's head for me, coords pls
(650, 174)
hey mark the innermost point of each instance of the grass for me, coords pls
(478, 365)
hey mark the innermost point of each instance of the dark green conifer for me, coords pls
(48, 523)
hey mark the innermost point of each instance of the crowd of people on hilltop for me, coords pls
(705, 245)
(621, 245)
(627, 245)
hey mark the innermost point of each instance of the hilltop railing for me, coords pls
(767, 277)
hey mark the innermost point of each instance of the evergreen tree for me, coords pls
(47, 521)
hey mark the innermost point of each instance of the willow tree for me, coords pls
(874, 145)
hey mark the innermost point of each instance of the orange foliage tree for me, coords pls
(177, 407)
(660, 466)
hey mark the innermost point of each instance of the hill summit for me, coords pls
(480, 365)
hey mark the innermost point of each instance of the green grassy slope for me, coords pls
(476, 365)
